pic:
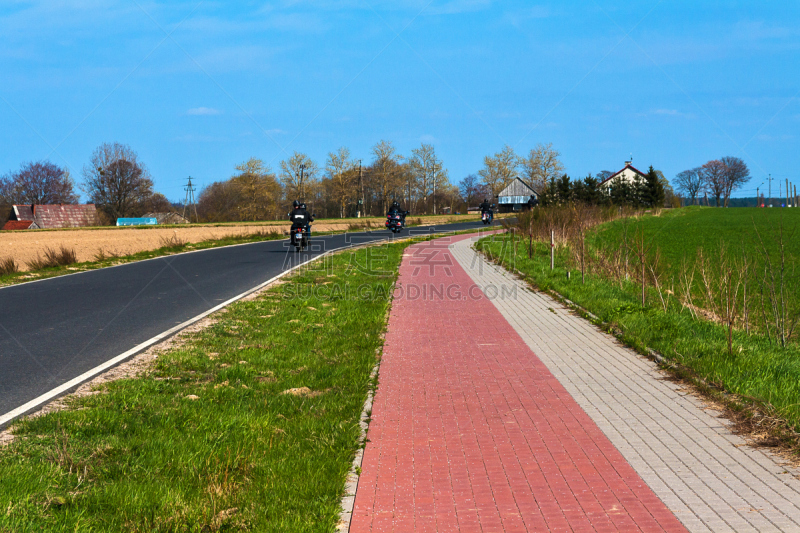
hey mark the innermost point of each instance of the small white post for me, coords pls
(552, 250)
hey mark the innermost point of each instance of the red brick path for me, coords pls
(471, 432)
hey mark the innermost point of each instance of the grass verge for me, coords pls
(760, 382)
(250, 425)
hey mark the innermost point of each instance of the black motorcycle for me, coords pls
(395, 222)
(299, 238)
(487, 217)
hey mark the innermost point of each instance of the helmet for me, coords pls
(485, 200)
(303, 205)
(395, 204)
(296, 204)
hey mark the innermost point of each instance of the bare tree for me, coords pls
(472, 190)
(542, 165)
(116, 181)
(385, 172)
(297, 174)
(257, 189)
(714, 178)
(735, 175)
(340, 168)
(421, 163)
(690, 182)
(38, 183)
(499, 170)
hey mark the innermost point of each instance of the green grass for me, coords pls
(680, 233)
(142, 456)
(757, 369)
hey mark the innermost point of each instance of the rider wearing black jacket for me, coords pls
(485, 207)
(300, 217)
(394, 209)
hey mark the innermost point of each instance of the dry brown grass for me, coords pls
(53, 258)
(173, 241)
(8, 266)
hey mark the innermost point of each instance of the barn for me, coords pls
(51, 216)
(515, 197)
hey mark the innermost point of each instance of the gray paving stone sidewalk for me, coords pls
(707, 476)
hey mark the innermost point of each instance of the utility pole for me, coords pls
(758, 198)
(788, 204)
(361, 188)
(770, 189)
(302, 178)
(189, 201)
(433, 177)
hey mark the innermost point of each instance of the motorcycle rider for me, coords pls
(394, 209)
(300, 217)
(486, 207)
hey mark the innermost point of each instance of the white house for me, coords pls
(628, 174)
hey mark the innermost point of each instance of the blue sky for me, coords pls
(198, 87)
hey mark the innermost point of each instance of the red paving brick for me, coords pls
(471, 432)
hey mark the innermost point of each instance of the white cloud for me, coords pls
(428, 139)
(455, 7)
(672, 113)
(203, 111)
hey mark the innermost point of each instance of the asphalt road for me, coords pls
(55, 330)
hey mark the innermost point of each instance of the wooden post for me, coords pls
(530, 246)
(552, 250)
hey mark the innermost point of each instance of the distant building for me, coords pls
(167, 218)
(628, 174)
(51, 216)
(515, 197)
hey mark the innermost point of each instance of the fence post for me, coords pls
(530, 246)
(552, 250)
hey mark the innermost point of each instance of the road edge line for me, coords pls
(32, 405)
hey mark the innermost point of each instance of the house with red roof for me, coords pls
(51, 216)
(628, 174)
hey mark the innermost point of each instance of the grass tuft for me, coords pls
(54, 258)
(8, 266)
(173, 242)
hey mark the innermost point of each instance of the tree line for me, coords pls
(119, 183)
(115, 180)
(719, 177)
(341, 187)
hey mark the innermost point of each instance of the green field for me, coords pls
(757, 367)
(680, 233)
(210, 440)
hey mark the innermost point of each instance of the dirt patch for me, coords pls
(26, 246)
(302, 391)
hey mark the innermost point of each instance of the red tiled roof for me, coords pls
(627, 165)
(64, 216)
(17, 224)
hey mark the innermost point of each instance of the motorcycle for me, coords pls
(299, 238)
(487, 217)
(395, 222)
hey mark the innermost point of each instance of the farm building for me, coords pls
(167, 218)
(515, 197)
(629, 174)
(51, 216)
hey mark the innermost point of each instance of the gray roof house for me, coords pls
(515, 197)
